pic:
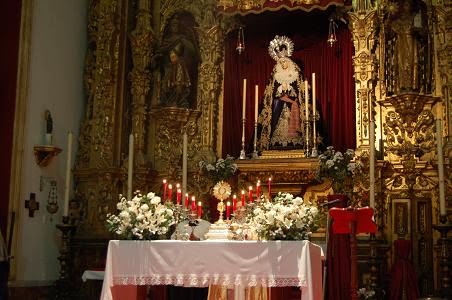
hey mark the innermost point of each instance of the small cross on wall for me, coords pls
(32, 205)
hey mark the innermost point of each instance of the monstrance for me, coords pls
(219, 230)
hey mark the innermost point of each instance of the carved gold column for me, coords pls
(141, 42)
(97, 172)
(211, 38)
(443, 43)
(363, 25)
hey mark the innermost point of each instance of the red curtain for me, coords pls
(332, 65)
(10, 12)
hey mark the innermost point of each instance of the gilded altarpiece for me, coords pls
(123, 96)
(123, 88)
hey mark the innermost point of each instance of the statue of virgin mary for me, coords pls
(281, 116)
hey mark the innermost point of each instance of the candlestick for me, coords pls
(130, 168)
(250, 194)
(243, 198)
(67, 184)
(164, 189)
(199, 210)
(228, 210)
(256, 105)
(439, 144)
(306, 103)
(242, 152)
(372, 165)
(244, 100)
(186, 200)
(193, 203)
(184, 162)
(234, 203)
(179, 195)
(170, 193)
(270, 188)
(314, 133)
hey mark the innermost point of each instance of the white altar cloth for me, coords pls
(204, 263)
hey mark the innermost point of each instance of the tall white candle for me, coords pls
(439, 144)
(67, 184)
(256, 102)
(372, 164)
(244, 99)
(130, 168)
(184, 163)
(313, 111)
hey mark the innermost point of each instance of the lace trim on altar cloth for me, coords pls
(196, 280)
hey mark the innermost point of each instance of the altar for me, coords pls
(232, 264)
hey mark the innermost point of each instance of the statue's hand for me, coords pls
(286, 98)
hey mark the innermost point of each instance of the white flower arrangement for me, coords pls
(143, 218)
(284, 218)
(221, 170)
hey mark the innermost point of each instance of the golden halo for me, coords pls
(222, 190)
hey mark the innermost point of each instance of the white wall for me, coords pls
(58, 46)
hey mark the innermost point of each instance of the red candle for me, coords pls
(228, 210)
(179, 196)
(193, 203)
(258, 189)
(270, 188)
(250, 194)
(170, 192)
(186, 200)
(234, 203)
(164, 189)
(199, 209)
(243, 198)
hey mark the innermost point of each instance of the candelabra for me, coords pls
(255, 155)
(63, 283)
(307, 150)
(242, 152)
(314, 152)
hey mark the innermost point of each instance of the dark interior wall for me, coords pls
(10, 15)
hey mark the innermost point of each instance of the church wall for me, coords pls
(58, 46)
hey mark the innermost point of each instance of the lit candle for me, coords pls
(186, 200)
(193, 203)
(228, 210)
(258, 189)
(250, 194)
(243, 198)
(269, 188)
(130, 168)
(439, 145)
(170, 192)
(234, 203)
(184, 162)
(244, 99)
(199, 210)
(372, 165)
(179, 196)
(67, 184)
(164, 189)
(256, 102)
(313, 109)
